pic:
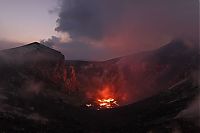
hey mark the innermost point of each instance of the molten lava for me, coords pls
(104, 98)
(107, 103)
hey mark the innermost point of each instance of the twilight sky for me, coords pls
(97, 29)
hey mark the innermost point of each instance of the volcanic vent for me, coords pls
(103, 98)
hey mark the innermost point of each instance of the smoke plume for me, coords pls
(118, 27)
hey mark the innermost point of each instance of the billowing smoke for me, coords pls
(51, 41)
(126, 26)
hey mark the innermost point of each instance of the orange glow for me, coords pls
(105, 93)
(106, 98)
(107, 103)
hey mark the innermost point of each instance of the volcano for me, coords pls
(40, 91)
(137, 76)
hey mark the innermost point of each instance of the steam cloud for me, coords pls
(95, 19)
(51, 41)
(124, 26)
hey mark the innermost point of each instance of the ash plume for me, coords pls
(121, 26)
(128, 22)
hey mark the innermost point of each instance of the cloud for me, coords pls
(51, 41)
(96, 19)
(80, 18)
(126, 26)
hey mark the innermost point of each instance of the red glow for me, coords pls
(105, 93)
(105, 98)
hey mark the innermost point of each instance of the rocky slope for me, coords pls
(137, 76)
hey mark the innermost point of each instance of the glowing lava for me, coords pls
(107, 103)
(104, 98)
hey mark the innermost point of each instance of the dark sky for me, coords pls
(103, 29)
